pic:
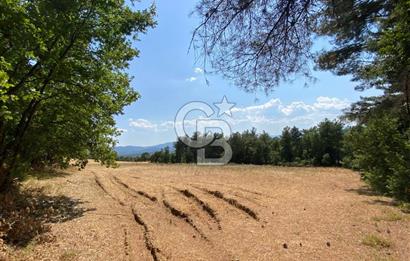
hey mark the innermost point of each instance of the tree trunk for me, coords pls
(407, 94)
(4, 179)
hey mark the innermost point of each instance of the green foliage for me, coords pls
(319, 146)
(286, 151)
(327, 160)
(163, 156)
(62, 79)
(371, 43)
(405, 207)
(382, 151)
(348, 147)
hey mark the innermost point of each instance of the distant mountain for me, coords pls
(138, 150)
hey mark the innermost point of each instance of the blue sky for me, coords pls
(167, 77)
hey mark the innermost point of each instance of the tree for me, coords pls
(383, 153)
(372, 43)
(312, 147)
(259, 43)
(320, 145)
(62, 79)
(331, 137)
(286, 145)
(255, 43)
(264, 149)
(296, 142)
(236, 143)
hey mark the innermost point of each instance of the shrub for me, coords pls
(327, 160)
(382, 152)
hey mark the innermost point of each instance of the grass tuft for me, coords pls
(405, 207)
(389, 216)
(68, 256)
(376, 242)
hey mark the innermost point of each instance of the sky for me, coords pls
(168, 77)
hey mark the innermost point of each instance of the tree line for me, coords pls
(379, 149)
(321, 145)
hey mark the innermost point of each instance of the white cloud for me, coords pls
(142, 124)
(151, 126)
(167, 124)
(331, 103)
(198, 70)
(191, 79)
(274, 115)
(321, 104)
(122, 130)
(298, 105)
(270, 104)
(271, 116)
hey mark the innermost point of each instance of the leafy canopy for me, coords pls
(62, 78)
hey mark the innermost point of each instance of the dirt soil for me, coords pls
(188, 212)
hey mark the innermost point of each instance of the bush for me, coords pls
(382, 152)
(327, 160)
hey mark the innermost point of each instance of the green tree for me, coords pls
(265, 149)
(286, 145)
(372, 43)
(331, 138)
(236, 143)
(62, 77)
(296, 143)
(383, 153)
(312, 149)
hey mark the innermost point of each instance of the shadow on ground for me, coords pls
(26, 214)
(364, 190)
(43, 174)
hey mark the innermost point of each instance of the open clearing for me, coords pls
(188, 212)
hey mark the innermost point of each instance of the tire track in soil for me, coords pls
(100, 185)
(139, 192)
(244, 197)
(231, 201)
(147, 238)
(242, 194)
(203, 205)
(126, 244)
(184, 216)
(167, 208)
(142, 216)
(231, 186)
(146, 234)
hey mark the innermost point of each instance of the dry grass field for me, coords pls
(188, 212)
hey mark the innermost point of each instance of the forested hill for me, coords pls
(138, 150)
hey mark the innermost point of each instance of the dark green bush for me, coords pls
(382, 151)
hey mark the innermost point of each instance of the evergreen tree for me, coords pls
(286, 145)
